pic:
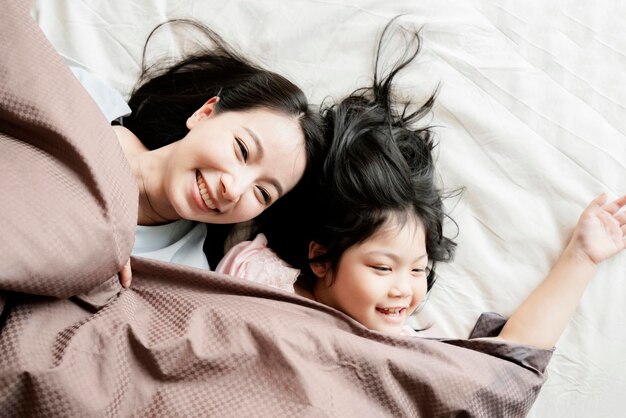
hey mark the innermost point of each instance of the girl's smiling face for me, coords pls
(232, 165)
(380, 281)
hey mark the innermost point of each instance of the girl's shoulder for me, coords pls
(256, 262)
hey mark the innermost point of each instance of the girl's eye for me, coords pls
(242, 149)
(419, 271)
(381, 268)
(264, 195)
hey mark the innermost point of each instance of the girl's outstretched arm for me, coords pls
(599, 234)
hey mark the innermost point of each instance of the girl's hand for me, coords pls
(126, 275)
(599, 234)
(601, 230)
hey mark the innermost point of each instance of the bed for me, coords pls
(530, 123)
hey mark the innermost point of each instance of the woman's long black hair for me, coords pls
(166, 96)
(379, 165)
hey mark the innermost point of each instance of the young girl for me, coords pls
(375, 232)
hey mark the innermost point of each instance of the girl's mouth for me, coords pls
(390, 311)
(392, 314)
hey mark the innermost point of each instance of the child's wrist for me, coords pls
(576, 254)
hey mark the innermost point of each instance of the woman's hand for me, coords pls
(601, 230)
(126, 275)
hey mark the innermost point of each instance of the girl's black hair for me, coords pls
(165, 97)
(378, 165)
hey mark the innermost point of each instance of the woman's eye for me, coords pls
(264, 195)
(419, 270)
(381, 268)
(242, 149)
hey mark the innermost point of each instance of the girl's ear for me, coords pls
(204, 112)
(320, 269)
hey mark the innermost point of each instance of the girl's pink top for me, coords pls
(253, 261)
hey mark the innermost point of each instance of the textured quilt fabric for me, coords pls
(181, 341)
(68, 205)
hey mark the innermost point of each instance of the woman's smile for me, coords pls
(205, 202)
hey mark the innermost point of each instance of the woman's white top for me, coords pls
(178, 242)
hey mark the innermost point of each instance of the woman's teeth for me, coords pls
(203, 191)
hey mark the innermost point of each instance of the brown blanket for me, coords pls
(181, 341)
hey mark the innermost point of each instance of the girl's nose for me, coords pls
(401, 286)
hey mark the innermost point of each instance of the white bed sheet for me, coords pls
(531, 121)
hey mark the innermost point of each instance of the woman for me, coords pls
(214, 139)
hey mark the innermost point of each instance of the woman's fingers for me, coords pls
(126, 275)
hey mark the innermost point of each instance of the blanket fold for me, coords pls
(69, 201)
(183, 340)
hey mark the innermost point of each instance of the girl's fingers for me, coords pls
(615, 205)
(608, 220)
(596, 203)
(600, 199)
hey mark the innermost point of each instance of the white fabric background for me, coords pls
(531, 121)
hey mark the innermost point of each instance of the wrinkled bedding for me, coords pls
(181, 341)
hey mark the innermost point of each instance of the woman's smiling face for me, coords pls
(232, 165)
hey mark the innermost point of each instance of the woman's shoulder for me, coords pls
(131, 145)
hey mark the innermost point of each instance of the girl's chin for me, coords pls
(387, 328)
(396, 330)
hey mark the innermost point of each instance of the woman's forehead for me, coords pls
(270, 128)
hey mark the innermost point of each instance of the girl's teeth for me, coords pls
(395, 311)
(203, 192)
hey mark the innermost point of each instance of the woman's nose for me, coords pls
(233, 187)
